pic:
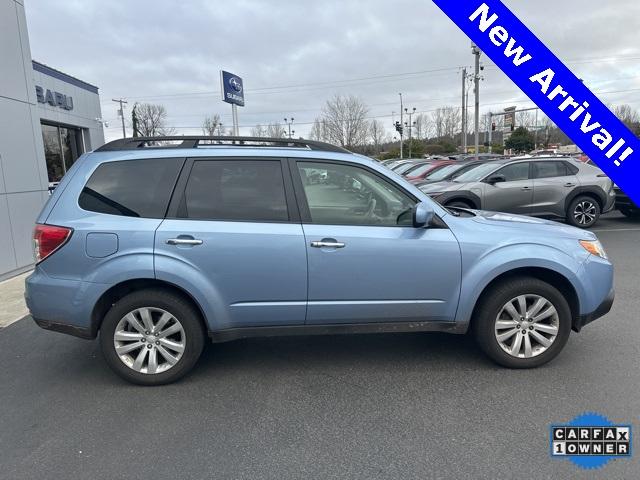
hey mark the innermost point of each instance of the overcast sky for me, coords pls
(170, 52)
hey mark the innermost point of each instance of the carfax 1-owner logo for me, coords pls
(590, 441)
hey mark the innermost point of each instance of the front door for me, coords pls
(367, 263)
(234, 238)
(514, 195)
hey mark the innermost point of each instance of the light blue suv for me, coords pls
(158, 243)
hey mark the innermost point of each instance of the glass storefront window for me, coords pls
(62, 147)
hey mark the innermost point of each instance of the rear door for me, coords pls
(552, 182)
(235, 225)
(515, 194)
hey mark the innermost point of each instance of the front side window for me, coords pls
(349, 195)
(131, 188)
(515, 172)
(241, 190)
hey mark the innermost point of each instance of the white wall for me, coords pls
(23, 174)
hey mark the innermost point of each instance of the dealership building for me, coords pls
(47, 120)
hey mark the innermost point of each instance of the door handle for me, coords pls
(184, 241)
(324, 244)
(569, 184)
(526, 188)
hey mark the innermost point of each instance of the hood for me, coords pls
(531, 224)
(438, 187)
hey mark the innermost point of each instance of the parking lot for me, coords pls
(376, 406)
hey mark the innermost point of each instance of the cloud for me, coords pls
(171, 52)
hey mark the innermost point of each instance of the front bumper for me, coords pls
(603, 309)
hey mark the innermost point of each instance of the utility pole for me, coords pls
(410, 126)
(289, 123)
(121, 113)
(401, 131)
(476, 51)
(490, 132)
(464, 110)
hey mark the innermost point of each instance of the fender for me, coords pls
(596, 191)
(467, 195)
(510, 257)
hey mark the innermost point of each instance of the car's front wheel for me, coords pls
(522, 322)
(152, 337)
(583, 212)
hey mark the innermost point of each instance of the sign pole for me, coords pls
(234, 112)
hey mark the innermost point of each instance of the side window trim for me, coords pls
(305, 213)
(176, 202)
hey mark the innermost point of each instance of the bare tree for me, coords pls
(275, 130)
(437, 120)
(345, 118)
(525, 119)
(210, 125)
(377, 134)
(318, 130)
(423, 126)
(259, 131)
(628, 116)
(152, 120)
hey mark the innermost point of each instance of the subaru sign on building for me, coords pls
(232, 89)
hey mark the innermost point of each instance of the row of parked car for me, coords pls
(562, 188)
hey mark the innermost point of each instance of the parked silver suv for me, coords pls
(546, 187)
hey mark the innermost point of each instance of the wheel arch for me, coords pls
(120, 290)
(547, 275)
(464, 196)
(594, 192)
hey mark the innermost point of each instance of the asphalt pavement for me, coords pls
(370, 406)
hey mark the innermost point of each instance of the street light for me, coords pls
(289, 122)
(410, 125)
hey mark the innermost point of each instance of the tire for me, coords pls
(175, 346)
(491, 310)
(630, 212)
(459, 204)
(583, 212)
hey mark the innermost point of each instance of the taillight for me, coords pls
(49, 238)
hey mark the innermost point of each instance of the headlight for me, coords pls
(594, 247)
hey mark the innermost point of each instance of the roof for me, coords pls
(52, 72)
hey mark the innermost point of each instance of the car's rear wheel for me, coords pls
(583, 212)
(630, 212)
(522, 323)
(152, 337)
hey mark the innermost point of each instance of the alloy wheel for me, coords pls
(585, 212)
(527, 326)
(149, 340)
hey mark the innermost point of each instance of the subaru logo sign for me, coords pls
(232, 89)
(235, 84)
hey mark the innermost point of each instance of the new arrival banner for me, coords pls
(551, 86)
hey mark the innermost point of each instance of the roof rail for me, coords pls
(199, 140)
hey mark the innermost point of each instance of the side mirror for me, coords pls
(422, 215)
(493, 179)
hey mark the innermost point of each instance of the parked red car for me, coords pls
(419, 172)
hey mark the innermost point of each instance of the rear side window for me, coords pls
(241, 190)
(132, 188)
(550, 169)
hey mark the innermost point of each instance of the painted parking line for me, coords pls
(616, 230)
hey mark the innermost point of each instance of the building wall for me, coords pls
(86, 106)
(23, 174)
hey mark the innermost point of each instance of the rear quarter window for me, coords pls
(131, 188)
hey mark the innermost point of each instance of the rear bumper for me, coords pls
(62, 305)
(602, 310)
(65, 328)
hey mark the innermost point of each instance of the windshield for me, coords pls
(403, 168)
(418, 169)
(444, 172)
(478, 173)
